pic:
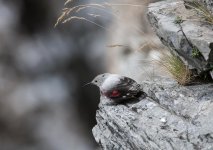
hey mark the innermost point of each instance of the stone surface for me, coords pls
(171, 117)
(191, 39)
(208, 4)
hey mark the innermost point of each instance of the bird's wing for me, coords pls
(127, 88)
(128, 84)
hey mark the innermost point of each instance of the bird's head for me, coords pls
(99, 79)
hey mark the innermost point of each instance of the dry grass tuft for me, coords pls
(69, 14)
(201, 10)
(176, 68)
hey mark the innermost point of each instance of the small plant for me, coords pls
(178, 70)
(178, 20)
(195, 52)
(201, 10)
(211, 67)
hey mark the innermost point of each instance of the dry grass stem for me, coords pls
(93, 15)
(82, 18)
(204, 12)
(64, 17)
(68, 1)
(149, 45)
(67, 11)
(120, 4)
(69, 14)
(116, 45)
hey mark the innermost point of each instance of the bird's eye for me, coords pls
(103, 75)
(96, 81)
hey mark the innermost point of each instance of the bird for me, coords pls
(116, 87)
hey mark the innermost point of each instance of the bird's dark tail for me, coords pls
(141, 94)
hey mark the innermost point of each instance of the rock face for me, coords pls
(171, 117)
(208, 4)
(185, 32)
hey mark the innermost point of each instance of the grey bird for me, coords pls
(116, 87)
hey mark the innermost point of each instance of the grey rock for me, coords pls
(171, 117)
(191, 39)
(208, 4)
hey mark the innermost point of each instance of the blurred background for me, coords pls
(43, 105)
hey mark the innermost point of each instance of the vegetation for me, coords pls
(69, 13)
(174, 66)
(171, 63)
(178, 20)
(201, 10)
(195, 52)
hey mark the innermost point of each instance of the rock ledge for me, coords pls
(170, 117)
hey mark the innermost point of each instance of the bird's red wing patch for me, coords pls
(115, 93)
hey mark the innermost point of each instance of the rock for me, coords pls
(184, 32)
(170, 117)
(208, 4)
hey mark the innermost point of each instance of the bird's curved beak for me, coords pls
(87, 84)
